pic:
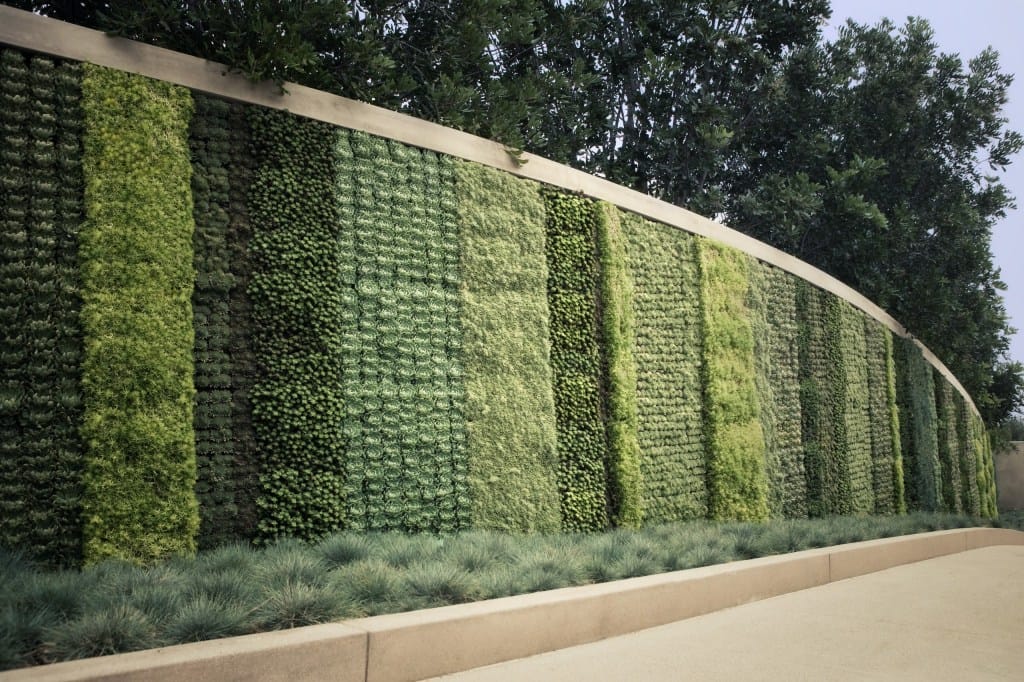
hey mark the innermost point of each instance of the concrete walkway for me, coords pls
(957, 617)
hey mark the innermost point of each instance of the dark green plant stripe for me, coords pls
(968, 457)
(737, 483)
(402, 373)
(895, 426)
(774, 323)
(986, 471)
(949, 447)
(856, 411)
(880, 416)
(137, 277)
(297, 405)
(210, 146)
(663, 263)
(823, 401)
(40, 333)
(245, 465)
(618, 327)
(576, 361)
(918, 428)
(510, 410)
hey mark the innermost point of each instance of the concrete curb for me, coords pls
(420, 644)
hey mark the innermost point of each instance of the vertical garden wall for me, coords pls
(223, 321)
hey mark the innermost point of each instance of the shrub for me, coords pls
(137, 275)
(511, 444)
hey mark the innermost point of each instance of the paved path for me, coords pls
(959, 617)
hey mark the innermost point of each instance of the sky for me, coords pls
(967, 28)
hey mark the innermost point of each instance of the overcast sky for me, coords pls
(966, 28)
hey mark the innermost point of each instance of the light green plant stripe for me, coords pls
(919, 428)
(774, 322)
(402, 373)
(510, 409)
(949, 455)
(618, 326)
(40, 334)
(137, 275)
(986, 472)
(663, 264)
(737, 484)
(576, 361)
(823, 401)
(878, 359)
(895, 420)
(297, 404)
(856, 411)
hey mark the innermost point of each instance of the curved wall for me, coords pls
(391, 325)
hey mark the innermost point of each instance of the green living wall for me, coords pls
(40, 330)
(225, 322)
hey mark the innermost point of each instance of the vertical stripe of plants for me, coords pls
(898, 477)
(245, 467)
(662, 261)
(137, 275)
(210, 145)
(402, 370)
(918, 428)
(573, 284)
(297, 404)
(774, 322)
(618, 327)
(823, 400)
(737, 482)
(968, 457)
(511, 444)
(881, 414)
(986, 471)
(856, 412)
(949, 455)
(40, 333)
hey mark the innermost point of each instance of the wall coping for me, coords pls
(433, 642)
(25, 30)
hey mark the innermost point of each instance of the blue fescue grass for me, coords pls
(115, 606)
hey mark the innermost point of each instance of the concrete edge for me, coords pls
(421, 644)
(25, 30)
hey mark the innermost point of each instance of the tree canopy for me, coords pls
(874, 156)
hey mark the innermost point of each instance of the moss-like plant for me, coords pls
(401, 337)
(576, 361)
(663, 265)
(510, 410)
(137, 277)
(856, 410)
(968, 457)
(898, 476)
(297, 403)
(737, 484)
(618, 327)
(40, 333)
(884, 430)
(774, 322)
